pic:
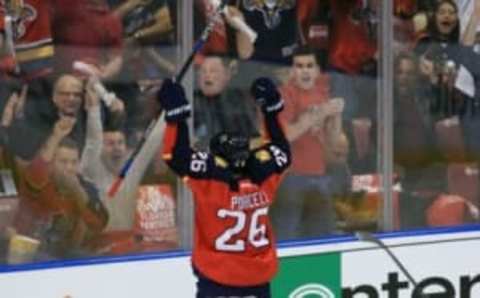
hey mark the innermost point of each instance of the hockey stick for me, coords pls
(368, 237)
(178, 78)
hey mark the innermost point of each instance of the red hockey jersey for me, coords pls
(233, 241)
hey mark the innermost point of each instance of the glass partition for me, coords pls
(381, 112)
(330, 117)
(436, 111)
(78, 91)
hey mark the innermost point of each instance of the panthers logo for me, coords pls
(21, 13)
(270, 9)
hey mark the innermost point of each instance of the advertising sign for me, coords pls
(440, 267)
(309, 276)
(443, 265)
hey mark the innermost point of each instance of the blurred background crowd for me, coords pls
(77, 91)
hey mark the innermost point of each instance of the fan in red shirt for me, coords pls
(87, 31)
(354, 68)
(233, 189)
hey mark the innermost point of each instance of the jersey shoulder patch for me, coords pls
(220, 162)
(263, 155)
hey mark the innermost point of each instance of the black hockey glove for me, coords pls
(171, 97)
(267, 96)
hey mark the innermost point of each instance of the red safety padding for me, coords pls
(446, 210)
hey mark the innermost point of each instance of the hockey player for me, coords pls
(234, 248)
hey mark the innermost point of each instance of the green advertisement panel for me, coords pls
(310, 276)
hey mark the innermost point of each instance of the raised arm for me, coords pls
(90, 161)
(269, 162)
(268, 98)
(245, 39)
(61, 129)
(177, 153)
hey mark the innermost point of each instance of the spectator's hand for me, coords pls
(318, 114)
(14, 107)
(171, 97)
(312, 117)
(117, 106)
(91, 69)
(63, 126)
(91, 96)
(102, 72)
(336, 105)
(267, 96)
(231, 13)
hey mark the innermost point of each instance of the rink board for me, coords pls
(441, 261)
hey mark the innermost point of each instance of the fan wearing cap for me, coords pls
(233, 188)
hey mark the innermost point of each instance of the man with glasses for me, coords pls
(67, 100)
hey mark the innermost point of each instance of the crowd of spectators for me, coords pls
(76, 92)
(65, 140)
(436, 106)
